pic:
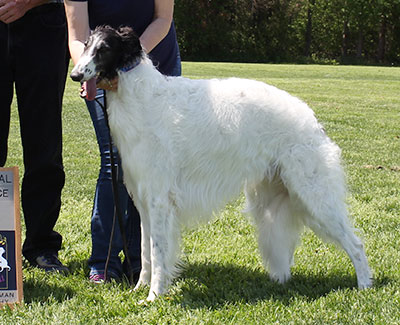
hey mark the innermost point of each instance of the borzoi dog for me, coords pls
(190, 146)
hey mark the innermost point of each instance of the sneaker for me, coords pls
(49, 262)
(97, 278)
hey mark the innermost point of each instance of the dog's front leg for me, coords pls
(145, 272)
(161, 244)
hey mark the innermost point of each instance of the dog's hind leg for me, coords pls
(164, 245)
(332, 225)
(321, 189)
(278, 228)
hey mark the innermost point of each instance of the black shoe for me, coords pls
(49, 262)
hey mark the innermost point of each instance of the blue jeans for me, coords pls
(103, 207)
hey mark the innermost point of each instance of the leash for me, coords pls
(117, 207)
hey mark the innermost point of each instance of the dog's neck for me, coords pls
(130, 66)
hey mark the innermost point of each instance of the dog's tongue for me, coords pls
(88, 89)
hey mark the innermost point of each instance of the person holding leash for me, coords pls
(152, 20)
(34, 58)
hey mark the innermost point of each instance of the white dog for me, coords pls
(190, 146)
(3, 261)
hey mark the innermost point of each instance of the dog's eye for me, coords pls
(103, 50)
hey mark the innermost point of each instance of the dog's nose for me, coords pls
(76, 76)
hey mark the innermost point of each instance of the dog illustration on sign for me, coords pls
(3, 261)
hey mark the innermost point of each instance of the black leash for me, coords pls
(117, 207)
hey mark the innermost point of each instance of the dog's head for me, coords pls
(106, 51)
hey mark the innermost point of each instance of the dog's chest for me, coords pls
(141, 142)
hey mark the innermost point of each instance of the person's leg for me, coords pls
(39, 45)
(133, 234)
(103, 205)
(6, 91)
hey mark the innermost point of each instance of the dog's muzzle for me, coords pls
(76, 76)
(84, 69)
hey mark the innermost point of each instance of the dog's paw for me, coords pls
(142, 302)
(281, 278)
(365, 284)
(140, 284)
(151, 297)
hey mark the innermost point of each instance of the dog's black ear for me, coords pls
(132, 48)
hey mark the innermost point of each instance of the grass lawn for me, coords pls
(223, 281)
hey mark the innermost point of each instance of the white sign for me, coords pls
(10, 238)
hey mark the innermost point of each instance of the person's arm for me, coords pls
(78, 32)
(11, 10)
(159, 27)
(78, 27)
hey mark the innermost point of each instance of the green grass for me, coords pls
(223, 281)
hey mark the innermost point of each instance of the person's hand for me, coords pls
(108, 84)
(88, 89)
(12, 10)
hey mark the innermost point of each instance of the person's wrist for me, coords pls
(33, 3)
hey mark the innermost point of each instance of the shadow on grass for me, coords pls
(41, 286)
(41, 291)
(213, 285)
(208, 285)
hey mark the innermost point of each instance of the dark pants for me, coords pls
(34, 59)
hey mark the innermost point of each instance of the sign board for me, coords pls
(10, 238)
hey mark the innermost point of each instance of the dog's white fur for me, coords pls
(190, 146)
